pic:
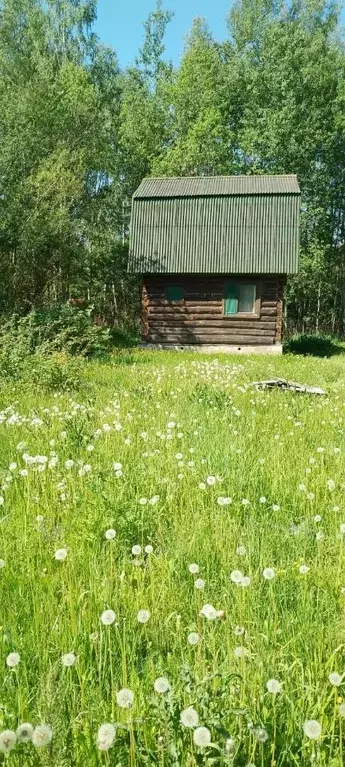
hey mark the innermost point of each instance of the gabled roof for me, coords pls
(215, 225)
(216, 186)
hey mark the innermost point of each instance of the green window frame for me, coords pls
(241, 299)
(174, 293)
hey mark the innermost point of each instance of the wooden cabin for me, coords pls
(214, 254)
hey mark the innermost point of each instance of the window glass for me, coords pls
(246, 298)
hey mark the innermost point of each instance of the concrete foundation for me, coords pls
(274, 349)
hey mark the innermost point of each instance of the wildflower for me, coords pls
(335, 679)
(342, 528)
(69, 659)
(275, 507)
(209, 612)
(2, 563)
(312, 729)
(202, 486)
(60, 555)
(199, 584)
(108, 617)
(189, 717)
(94, 636)
(143, 616)
(302, 487)
(236, 576)
(8, 740)
(110, 534)
(245, 582)
(136, 550)
(304, 569)
(224, 501)
(320, 535)
(42, 735)
(260, 734)
(117, 466)
(341, 710)
(148, 549)
(262, 499)
(202, 737)
(69, 463)
(193, 568)
(125, 698)
(331, 485)
(273, 686)
(229, 746)
(24, 733)
(2, 501)
(211, 481)
(241, 551)
(142, 501)
(12, 467)
(13, 659)
(317, 518)
(193, 638)
(240, 652)
(105, 737)
(245, 502)
(162, 685)
(336, 508)
(269, 573)
(179, 456)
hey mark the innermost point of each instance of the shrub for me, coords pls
(316, 345)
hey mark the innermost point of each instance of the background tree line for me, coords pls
(77, 134)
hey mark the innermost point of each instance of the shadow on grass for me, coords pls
(313, 345)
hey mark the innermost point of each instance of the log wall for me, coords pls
(199, 318)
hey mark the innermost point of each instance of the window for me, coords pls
(174, 293)
(240, 299)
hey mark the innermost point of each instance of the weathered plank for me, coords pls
(194, 338)
(202, 320)
(164, 327)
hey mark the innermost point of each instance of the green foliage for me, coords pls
(314, 344)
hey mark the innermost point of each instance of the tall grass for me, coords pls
(155, 449)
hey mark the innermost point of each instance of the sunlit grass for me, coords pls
(189, 465)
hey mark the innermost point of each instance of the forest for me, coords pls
(78, 134)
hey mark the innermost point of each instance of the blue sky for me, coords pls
(120, 23)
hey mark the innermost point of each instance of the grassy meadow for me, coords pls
(172, 551)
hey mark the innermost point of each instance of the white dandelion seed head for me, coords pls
(69, 463)
(245, 582)
(193, 638)
(317, 518)
(240, 652)
(69, 659)
(341, 710)
(342, 528)
(245, 502)
(143, 616)
(108, 617)
(312, 729)
(211, 481)
(13, 659)
(189, 717)
(263, 499)
(269, 573)
(199, 584)
(275, 507)
(2, 564)
(8, 741)
(148, 549)
(335, 679)
(117, 466)
(320, 535)
(331, 485)
(304, 569)
(42, 735)
(236, 576)
(239, 631)
(136, 550)
(193, 568)
(273, 686)
(125, 698)
(60, 555)
(24, 732)
(230, 746)
(202, 486)
(110, 534)
(105, 737)
(202, 737)
(260, 734)
(209, 612)
(241, 551)
(162, 685)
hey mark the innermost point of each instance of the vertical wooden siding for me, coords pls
(199, 317)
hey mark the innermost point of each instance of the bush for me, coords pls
(316, 345)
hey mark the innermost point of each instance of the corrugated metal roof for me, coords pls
(229, 233)
(215, 186)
